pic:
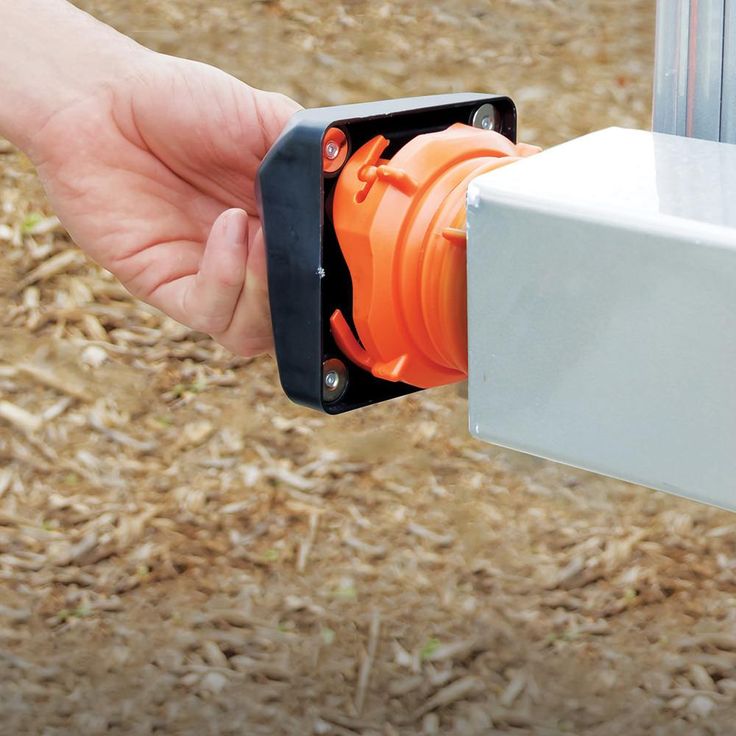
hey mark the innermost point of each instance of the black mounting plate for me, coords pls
(307, 275)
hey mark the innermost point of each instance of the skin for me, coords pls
(149, 161)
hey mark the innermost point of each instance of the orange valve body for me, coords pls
(400, 224)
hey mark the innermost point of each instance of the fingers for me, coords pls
(250, 331)
(227, 296)
(211, 297)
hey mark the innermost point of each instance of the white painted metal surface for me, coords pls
(695, 69)
(602, 309)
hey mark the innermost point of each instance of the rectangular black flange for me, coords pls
(307, 275)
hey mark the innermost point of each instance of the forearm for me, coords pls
(52, 55)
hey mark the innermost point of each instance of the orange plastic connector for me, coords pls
(401, 229)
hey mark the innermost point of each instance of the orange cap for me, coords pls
(401, 228)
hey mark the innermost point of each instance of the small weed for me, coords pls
(66, 613)
(429, 648)
(30, 221)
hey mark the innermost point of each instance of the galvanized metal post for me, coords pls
(695, 69)
(728, 84)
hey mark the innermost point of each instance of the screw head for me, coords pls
(486, 117)
(334, 380)
(335, 149)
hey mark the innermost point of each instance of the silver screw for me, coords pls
(486, 117)
(332, 150)
(334, 380)
(331, 380)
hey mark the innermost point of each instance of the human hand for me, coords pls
(153, 175)
(148, 160)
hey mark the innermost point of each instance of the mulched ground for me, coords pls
(182, 551)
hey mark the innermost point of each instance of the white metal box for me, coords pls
(602, 309)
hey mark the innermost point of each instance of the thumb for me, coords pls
(212, 295)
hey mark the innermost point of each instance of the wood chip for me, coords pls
(461, 689)
(516, 686)
(718, 640)
(368, 659)
(17, 616)
(373, 551)
(305, 546)
(20, 418)
(440, 540)
(119, 437)
(45, 225)
(457, 651)
(52, 379)
(62, 262)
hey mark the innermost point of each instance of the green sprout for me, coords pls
(66, 613)
(430, 647)
(30, 221)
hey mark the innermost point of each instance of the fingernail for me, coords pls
(236, 226)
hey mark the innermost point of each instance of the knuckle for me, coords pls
(229, 280)
(211, 324)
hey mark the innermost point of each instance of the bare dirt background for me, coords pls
(182, 551)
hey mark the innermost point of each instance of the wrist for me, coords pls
(52, 56)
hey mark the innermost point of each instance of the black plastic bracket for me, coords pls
(307, 275)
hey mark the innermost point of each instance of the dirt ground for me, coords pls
(183, 551)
